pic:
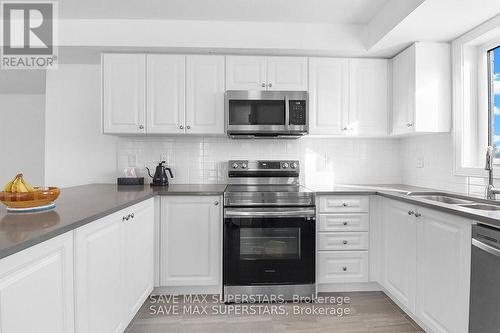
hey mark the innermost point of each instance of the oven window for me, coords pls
(245, 112)
(270, 244)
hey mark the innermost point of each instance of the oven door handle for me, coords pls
(485, 247)
(292, 212)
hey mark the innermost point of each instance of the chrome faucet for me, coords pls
(491, 190)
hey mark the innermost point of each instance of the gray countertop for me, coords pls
(80, 205)
(77, 206)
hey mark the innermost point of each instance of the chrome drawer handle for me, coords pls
(344, 242)
(418, 214)
(410, 212)
(344, 269)
(345, 223)
(344, 204)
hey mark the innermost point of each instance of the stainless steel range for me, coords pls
(269, 231)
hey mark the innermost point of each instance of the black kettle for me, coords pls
(160, 177)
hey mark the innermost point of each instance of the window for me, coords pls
(494, 99)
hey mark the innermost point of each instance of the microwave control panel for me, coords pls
(297, 112)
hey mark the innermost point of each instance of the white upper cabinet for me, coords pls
(421, 80)
(443, 271)
(368, 107)
(286, 73)
(124, 89)
(266, 73)
(36, 288)
(246, 73)
(328, 95)
(205, 94)
(165, 93)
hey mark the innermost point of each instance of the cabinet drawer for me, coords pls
(346, 222)
(343, 204)
(336, 241)
(335, 267)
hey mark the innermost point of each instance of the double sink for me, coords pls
(458, 200)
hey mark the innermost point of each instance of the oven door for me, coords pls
(265, 246)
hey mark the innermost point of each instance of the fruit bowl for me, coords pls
(42, 196)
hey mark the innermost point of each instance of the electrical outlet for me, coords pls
(420, 163)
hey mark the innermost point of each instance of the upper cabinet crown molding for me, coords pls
(266, 73)
(421, 99)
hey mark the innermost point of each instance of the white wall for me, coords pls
(75, 150)
(22, 137)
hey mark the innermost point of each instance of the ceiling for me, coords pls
(317, 11)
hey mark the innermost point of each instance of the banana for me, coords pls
(21, 187)
(29, 188)
(8, 187)
(14, 185)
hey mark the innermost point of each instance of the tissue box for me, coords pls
(131, 181)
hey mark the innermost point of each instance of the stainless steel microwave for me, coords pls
(266, 114)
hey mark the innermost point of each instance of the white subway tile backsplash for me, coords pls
(323, 161)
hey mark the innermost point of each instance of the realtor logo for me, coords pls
(28, 35)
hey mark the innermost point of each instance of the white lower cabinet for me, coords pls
(113, 269)
(191, 242)
(36, 288)
(426, 255)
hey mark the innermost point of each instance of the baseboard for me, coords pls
(188, 290)
(346, 287)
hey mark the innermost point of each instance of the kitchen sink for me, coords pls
(479, 206)
(441, 198)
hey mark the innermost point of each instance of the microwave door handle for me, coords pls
(287, 113)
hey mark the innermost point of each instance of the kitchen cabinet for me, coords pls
(400, 257)
(328, 95)
(191, 243)
(266, 73)
(166, 94)
(421, 96)
(163, 94)
(113, 263)
(368, 96)
(348, 96)
(443, 271)
(426, 259)
(205, 94)
(124, 93)
(36, 288)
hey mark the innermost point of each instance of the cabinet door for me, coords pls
(403, 76)
(328, 96)
(400, 252)
(191, 232)
(368, 114)
(36, 288)
(138, 256)
(286, 73)
(205, 95)
(99, 273)
(165, 94)
(124, 89)
(443, 279)
(246, 73)
(342, 266)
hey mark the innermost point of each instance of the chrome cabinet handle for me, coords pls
(270, 85)
(344, 242)
(418, 214)
(345, 129)
(344, 269)
(216, 203)
(345, 223)
(263, 85)
(141, 126)
(181, 127)
(132, 215)
(344, 204)
(409, 124)
(410, 212)
(188, 127)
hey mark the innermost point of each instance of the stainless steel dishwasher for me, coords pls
(485, 280)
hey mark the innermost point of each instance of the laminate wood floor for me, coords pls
(368, 312)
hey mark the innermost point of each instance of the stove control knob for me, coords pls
(284, 165)
(243, 165)
(235, 165)
(293, 165)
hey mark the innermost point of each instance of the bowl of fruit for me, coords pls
(19, 195)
